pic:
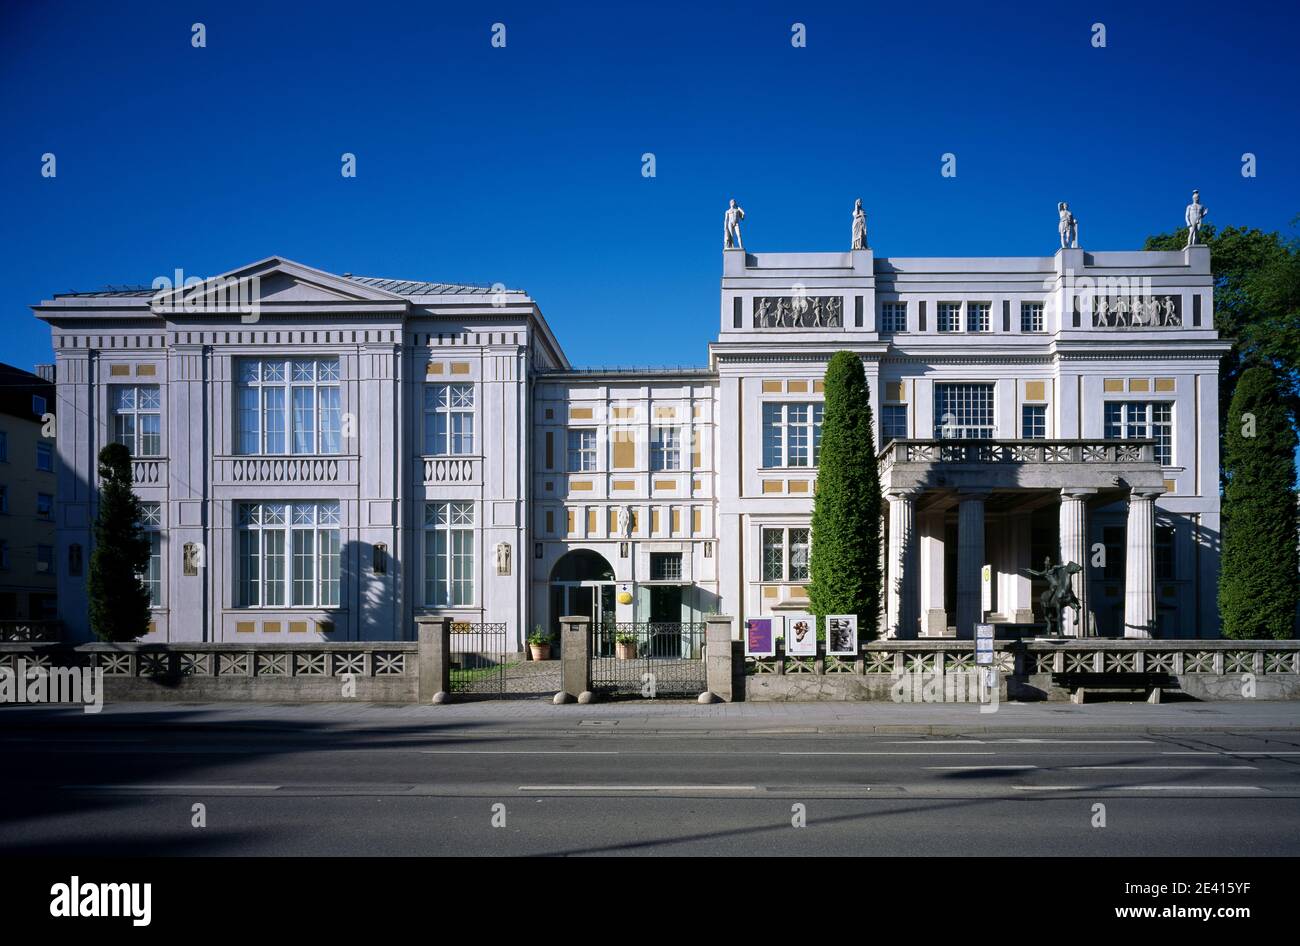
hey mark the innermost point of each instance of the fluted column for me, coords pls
(970, 560)
(1074, 548)
(932, 577)
(1140, 565)
(904, 584)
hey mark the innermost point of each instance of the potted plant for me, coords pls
(625, 646)
(539, 642)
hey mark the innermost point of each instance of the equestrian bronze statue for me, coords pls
(1059, 594)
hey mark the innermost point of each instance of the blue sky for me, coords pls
(522, 165)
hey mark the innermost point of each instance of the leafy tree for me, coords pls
(845, 561)
(1258, 584)
(119, 600)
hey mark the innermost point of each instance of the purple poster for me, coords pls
(760, 638)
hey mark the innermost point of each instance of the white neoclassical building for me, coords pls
(325, 457)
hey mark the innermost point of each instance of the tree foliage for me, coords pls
(119, 600)
(845, 562)
(1259, 585)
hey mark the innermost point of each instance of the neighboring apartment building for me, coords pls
(328, 456)
(27, 495)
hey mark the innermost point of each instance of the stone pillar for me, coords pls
(718, 668)
(433, 655)
(933, 613)
(904, 580)
(575, 660)
(1019, 587)
(1140, 565)
(970, 559)
(1074, 548)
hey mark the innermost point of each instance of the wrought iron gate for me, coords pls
(486, 664)
(648, 661)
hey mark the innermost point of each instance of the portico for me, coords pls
(997, 501)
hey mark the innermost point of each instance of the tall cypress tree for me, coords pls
(1258, 582)
(845, 561)
(119, 600)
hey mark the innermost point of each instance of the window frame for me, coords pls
(461, 521)
(326, 420)
(985, 311)
(152, 578)
(945, 310)
(137, 415)
(580, 458)
(457, 437)
(787, 574)
(890, 312)
(665, 448)
(886, 426)
(940, 402)
(326, 529)
(1152, 424)
(809, 429)
(46, 517)
(1027, 309)
(1041, 409)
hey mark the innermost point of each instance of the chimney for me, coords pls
(45, 373)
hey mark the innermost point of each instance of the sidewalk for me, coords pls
(539, 717)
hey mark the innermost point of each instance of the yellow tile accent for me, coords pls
(699, 484)
(460, 367)
(654, 521)
(153, 628)
(591, 521)
(573, 524)
(576, 486)
(146, 371)
(674, 521)
(1139, 384)
(771, 387)
(550, 521)
(697, 520)
(1035, 390)
(613, 522)
(665, 484)
(117, 371)
(270, 627)
(621, 413)
(580, 413)
(297, 627)
(1171, 486)
(797, 486)
(245, 627)
(770, 591)
(1110, 385)
(895, 391)
(623, 484)
(799, 591)
(771, 486)
(797, 387)
(1165, 384)
(819, 386)
(624, 445)
(433, 367)
(696, 411)
(665, 412)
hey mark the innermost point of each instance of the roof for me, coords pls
(16, 389)
(400, 287)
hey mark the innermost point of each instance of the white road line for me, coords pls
(936, 742)
(1256, 752)
(1190, 752)
(1169, 768)
(1181, 788)
(1075, 742)
(638, 788)
(830, 752)
(982, 767)
(1054, 788)
(172, 788)
(518, 751)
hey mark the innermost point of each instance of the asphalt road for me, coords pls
(124, 785)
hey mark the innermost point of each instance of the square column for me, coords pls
(934, 616)
(1017, 586)
(970, 560)
(1074, 548)
(903, 576)
(1140, 565)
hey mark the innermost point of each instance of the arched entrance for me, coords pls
(582, 582)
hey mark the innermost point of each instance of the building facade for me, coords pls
(27, 496)
(327, 456)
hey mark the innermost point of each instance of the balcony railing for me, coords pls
(1017, 451)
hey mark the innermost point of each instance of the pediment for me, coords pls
(278, 282)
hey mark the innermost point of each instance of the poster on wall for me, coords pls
(801, 635)
(760, 637)
(842, 635)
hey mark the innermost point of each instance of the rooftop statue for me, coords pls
(1069, 227)
(731, 228)
(859, 226)
(1192, 216)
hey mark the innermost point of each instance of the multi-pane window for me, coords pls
(45, 457)
(44, 506)
(792, 434)
(950, 316)
(964, 411)
(137, 418)
(666, 448)
(582, 450)
(665, 566)
(290, 406)
(38, 405)
(785, 554)
(1031, 316)
(448, 419)
(977, 316)
(151, 521)
(893, 317)
(288, 554)
(448, 554)
(45, 559)
(1143, 420)
(893, 422)
(1033, 421)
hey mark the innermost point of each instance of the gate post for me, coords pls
(575, 660)
(433, 655)
(718, 661)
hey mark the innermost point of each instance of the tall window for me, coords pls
(137, 418)
(893, 317)
(290, 406)
(582, 450)
(1166, 569)
(964, 411)
(977, 316)
(288, 554)
(1033, 421)
(45, 559)
(448, 419)
(666, 449)
(448, 554)
(950, 316)
(893, 422)
(45, 457)
(1143, 420)
(792, 434)
(1031, 316)
(151, 520)
(4, 446)
(44, 506)
(785, 554)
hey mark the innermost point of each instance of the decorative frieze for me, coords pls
(1136, 312)
(798, 311)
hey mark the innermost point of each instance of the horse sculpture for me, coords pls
(1059, 594)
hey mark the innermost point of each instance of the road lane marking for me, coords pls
(835, 752)
(1181, 788)
(172, 788)
(1074, 742)
(518, 751)
(1169, 768)
(638, 788)
(981, 768)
